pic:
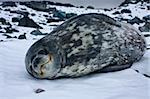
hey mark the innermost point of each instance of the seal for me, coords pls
(85, 44)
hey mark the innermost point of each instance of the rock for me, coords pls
(69, 15)
(145, 28)
(37, 32)
(37, 5)
(1, 40)
(126, 2)
(105, 9)
(24, 13)
(39, 90)
(33, 14)
(45, 15)
(23, 36)
(27, 22)
(117, 12)
(15, 19)
(9, 4)
(53, 20)
(10, 29)
(135, 20)
(8, 36)
(62, 15)
(81, 7)
(146, 18)
(122, 19)
(148, 7)
(7, 10)
(90, 7)
(125, 11)
(59, 14)
(146, 35)
(3, 21)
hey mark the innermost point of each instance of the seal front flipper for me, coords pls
(114, 68)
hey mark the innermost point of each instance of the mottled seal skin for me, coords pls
(85, 44)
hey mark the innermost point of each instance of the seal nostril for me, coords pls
(37, 61)
(44, 51)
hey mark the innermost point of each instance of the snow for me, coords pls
(16, 83)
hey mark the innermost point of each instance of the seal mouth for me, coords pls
(43, 66)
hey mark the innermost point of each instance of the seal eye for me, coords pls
(43, 52)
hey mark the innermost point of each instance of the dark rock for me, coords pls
(39, 90)
(9, 4)
(7, 10)
(10, 30)
(33, 14)
(122, 19)
(69, 15)
(117, 12)
(15, 19)
(37, 32)
(20, 12)
(106, 9)
(126, 2)
(148, 7)
(27, 22)
(90, 7)
(23, 36)
(146, 18)
(125, 11)
(14, 30)
(81, 6)
(23, 9)
(45, 15)
(38, 5)
(53, 20)
(8, 36)
(59, 14)
(62, 15)
(42, 23)
(145, 28)
(146, 75)
(64, 4)
(146, 35)
(3, 21)
(148, 1)
(1, 40)
(135, 20)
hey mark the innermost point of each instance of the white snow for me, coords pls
(15, 83)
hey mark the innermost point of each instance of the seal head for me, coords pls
(44, 59)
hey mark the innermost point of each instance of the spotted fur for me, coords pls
(89, 43)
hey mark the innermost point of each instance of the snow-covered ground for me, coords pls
(16, 83)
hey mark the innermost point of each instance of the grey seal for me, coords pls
(85, 44)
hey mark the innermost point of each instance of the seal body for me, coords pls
(84, 44)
